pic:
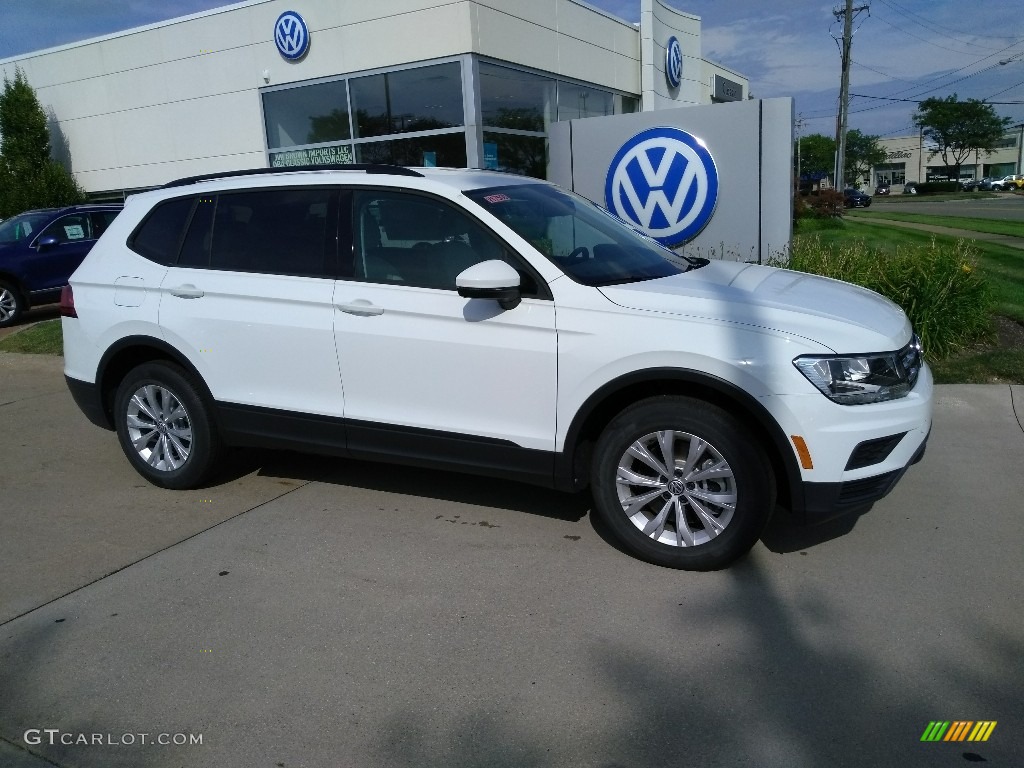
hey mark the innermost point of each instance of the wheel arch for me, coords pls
(129, 352)
(572, 469)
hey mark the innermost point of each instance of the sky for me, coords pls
(903, 50)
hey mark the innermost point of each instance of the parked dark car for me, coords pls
(985, 184)
(40, 249)
(854, 198)
(883, 189)
(910, 188)
(968, 185)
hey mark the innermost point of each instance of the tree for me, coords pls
(817, 155)
(862, 154)
(29, 177)
(958, 128)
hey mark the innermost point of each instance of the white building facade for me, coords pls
(263, 83)
(910, 159)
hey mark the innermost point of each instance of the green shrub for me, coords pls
(938, 286)
(938, 188)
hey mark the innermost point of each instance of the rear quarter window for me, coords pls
(158, 237)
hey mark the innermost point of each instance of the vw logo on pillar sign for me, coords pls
(673, 62)
(291, 35)
(665, 182)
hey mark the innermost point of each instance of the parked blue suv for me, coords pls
(40, 249)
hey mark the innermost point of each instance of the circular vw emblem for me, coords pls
(665, 182)
(291, 35)
(673, 62)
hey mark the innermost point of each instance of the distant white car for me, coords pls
(1014, 181)
(494, 324)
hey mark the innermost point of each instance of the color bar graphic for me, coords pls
(958, 730)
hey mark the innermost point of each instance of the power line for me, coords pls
(929, 25)
(918, 101)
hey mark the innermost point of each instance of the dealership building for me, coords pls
(910, 159)
(263, 83)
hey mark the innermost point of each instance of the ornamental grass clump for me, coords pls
(938, 285)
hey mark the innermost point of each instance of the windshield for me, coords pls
(23, 227)
(584, 241)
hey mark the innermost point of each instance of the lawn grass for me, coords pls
(990, 226)
(1001, 266)
(40, 339)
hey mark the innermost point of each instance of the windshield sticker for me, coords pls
(497, 198)
(74, 231)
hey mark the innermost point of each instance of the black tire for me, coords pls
(745, 475)
(12, 305)
(180, 447)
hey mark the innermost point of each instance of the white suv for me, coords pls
(470, 320)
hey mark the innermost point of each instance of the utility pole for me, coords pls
(848, 15)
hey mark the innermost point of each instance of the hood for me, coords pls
(843, 317)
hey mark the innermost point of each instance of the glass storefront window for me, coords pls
(626, 105)
(525, 155)
(513, 99)
(420, 99)
(575, 101)
(444, 150)
(310, 114)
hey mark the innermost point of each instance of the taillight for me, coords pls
(67, 302)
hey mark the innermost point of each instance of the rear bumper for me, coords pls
(87, 398)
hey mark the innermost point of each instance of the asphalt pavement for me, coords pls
(306, 611)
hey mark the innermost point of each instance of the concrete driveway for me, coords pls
(316, 612)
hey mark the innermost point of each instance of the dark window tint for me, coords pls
(159, 235)
(195, 251)
(420, 99)
(443, 150)
(413, 240)
(310, 114)
(277, 231)
(101, 220)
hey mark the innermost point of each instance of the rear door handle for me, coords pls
(361, 307)
(187, 291)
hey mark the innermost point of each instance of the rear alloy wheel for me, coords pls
(164, 426)
(11, 305)
(682, 483)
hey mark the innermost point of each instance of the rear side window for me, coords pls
(285, 231)
(159, 236)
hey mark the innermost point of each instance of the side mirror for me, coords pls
(45, 243)
(492, 279)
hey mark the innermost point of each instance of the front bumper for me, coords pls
(827, 501)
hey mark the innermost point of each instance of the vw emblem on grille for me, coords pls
(664, 181)
(673, 62)
(291, 35)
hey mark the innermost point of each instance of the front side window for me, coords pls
(584, 241)
(414, 240)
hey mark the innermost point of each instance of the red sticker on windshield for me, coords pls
(497, 198)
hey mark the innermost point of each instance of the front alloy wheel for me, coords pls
(676, 488)
(682, 483)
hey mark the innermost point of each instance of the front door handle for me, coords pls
(187, 291)
(361, 307)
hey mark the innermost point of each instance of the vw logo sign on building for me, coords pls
(291, 35)
(665, 182)
(673, 62)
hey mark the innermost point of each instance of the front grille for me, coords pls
(873, 451)
(866, 490)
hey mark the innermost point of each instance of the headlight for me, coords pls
(855, 380)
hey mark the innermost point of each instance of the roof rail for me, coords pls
(392, 170)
